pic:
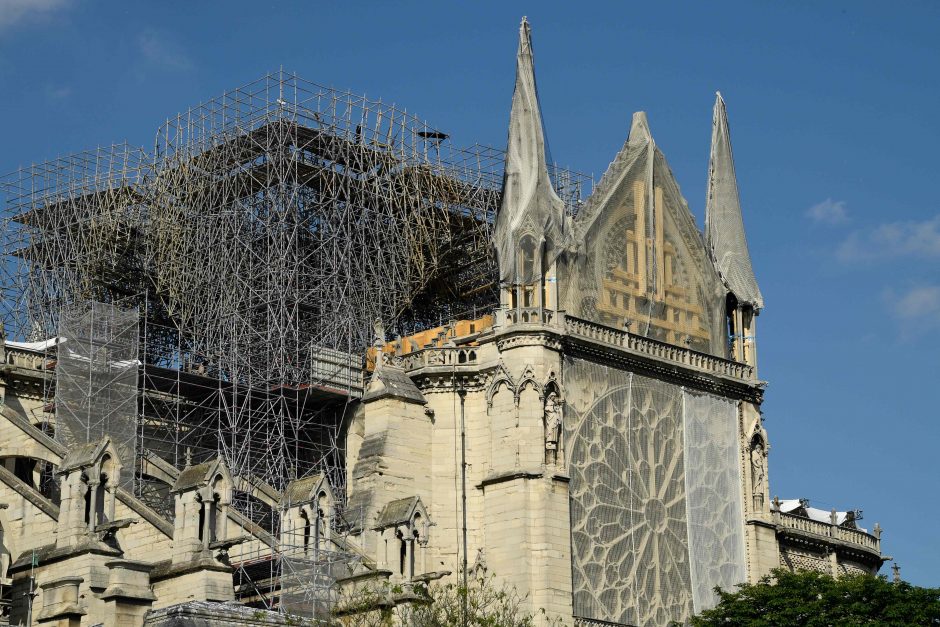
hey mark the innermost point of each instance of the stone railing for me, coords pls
(826, 530)
(26, 359)
(856, 536)
(530, 315)
(808, 525)
(660, 350)
(446, 356)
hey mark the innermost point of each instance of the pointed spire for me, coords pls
(640, 129)
(529, 205)
(724, 225)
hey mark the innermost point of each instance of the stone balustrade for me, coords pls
(859, 537)
(446, 356)
(26, 359)
(827, 530)
(660, 350)
(808, 525)
(530, 315)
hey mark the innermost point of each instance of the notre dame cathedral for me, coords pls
(595, 440)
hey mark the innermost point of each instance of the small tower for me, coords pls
(403, 526)
(727, 243)
(530, 226)
(202, 495)
(89, 474)
(307, 515)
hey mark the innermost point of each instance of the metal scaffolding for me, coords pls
(260, 239)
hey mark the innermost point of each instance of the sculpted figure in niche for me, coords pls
(758, 461)
(553, 425)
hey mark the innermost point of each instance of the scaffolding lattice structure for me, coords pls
(260, 240)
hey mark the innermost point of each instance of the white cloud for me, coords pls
(163, 52)
(916, 309)
(829, 211)
(895, 239)
(919, 302)
(14, 11)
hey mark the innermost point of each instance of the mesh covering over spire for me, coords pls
(529, 224)
(724, 226)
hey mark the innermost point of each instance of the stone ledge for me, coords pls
(211, 614)
(73, 609)
(167, 569)
(129, 593)
(50, 553)
(828, 543)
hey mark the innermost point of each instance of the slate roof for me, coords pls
(397, 512)
(392, 381)
(298, 491)
(82, 455)
(193, 476)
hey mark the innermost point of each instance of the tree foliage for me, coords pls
(440, 605)
(811, 599)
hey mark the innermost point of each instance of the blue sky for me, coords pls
(834, 121)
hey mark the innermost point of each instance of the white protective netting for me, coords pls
(96, 379)
(713, 496)
(628, 512)
(724, 225)
(530, 223)
(656, 505)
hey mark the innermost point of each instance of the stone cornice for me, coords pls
(51, 553)
(437, 369)
(800, 538)
(167, 569)
(679, 365)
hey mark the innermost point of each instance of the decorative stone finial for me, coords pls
(379, 342)
(896, 573)
(379, 327)
(189, 457)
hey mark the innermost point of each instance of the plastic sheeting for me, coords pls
(529, 230)
(724, 226)
(656, 497)
(96, 379)
(641, 260)
(714, 496)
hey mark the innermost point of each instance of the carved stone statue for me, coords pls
(758, 461)
(553, 424)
